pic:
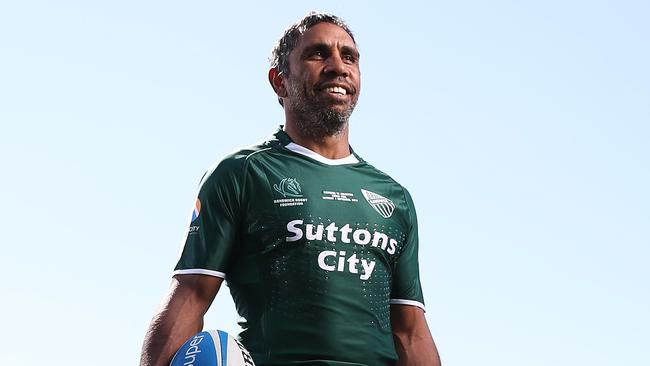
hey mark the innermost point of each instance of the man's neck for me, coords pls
(332, 147)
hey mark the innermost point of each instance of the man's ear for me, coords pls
(276, 78)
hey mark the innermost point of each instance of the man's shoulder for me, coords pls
(385, 177)
(234, 164)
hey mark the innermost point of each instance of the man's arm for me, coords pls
(179, 317)
(413, 341)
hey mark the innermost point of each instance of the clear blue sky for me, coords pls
(522, 130)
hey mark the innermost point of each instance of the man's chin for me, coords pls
(338, 113)
(341, 107)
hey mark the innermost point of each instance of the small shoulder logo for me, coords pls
(381, 204)
(197, 210)
(288, 187)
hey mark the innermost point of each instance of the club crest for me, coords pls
(381, 204)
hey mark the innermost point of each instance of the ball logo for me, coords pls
(197, 210)
(212, 348)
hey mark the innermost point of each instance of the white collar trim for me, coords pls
(351, 159)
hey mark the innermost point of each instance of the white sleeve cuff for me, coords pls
(408, 302)
(200, 271)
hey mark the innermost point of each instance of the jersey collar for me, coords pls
(350, 159)
(292, 146)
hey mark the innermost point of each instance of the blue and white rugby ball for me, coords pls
(212, 348)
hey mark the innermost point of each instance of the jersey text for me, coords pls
(330, 260)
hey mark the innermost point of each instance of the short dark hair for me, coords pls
(280, 54)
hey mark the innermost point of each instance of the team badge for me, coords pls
(381, 204)
(288, 187)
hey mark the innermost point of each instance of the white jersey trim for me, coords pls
(200, 271)
(408, 302)
(351, 159)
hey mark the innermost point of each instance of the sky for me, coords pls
(521, 130)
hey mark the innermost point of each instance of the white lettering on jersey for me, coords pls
(291, 227)
(331, 229)
(339, 196)
(332, 261)
(368, 267)
(321, 260)
(380, 237)
(333, 234)
(356, 236)
(345, 232)
(392, 246)
(352, 264)
(318, 235)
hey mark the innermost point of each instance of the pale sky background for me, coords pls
(521, 129)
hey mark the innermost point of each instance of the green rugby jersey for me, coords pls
(313, 250)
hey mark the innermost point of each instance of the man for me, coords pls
(319, 248)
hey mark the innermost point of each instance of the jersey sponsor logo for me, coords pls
(339, 196)
(197, 210)
(288, 187)
(330, 260)
(381, 204)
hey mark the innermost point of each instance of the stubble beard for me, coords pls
(315, 120)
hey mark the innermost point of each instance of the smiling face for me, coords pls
(325, 67)
(323, 83)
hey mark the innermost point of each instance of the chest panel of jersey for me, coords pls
(316, 256)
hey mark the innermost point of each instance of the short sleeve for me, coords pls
(407, 289)
(212, 232)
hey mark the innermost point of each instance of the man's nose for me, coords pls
(335, 65)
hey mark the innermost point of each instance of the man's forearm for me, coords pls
(419, 351)
(164, 337)
(413, 341)
(180, 317)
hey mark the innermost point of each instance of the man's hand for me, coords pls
(413, 341)
(179, 317)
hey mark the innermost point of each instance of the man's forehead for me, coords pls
(328, 34)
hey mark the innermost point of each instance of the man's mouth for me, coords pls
(336, 90)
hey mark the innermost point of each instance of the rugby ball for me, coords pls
(212, 348)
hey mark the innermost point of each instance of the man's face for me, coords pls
(324, 78)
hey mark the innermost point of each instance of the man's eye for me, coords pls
(317, 54)
(349, 58)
